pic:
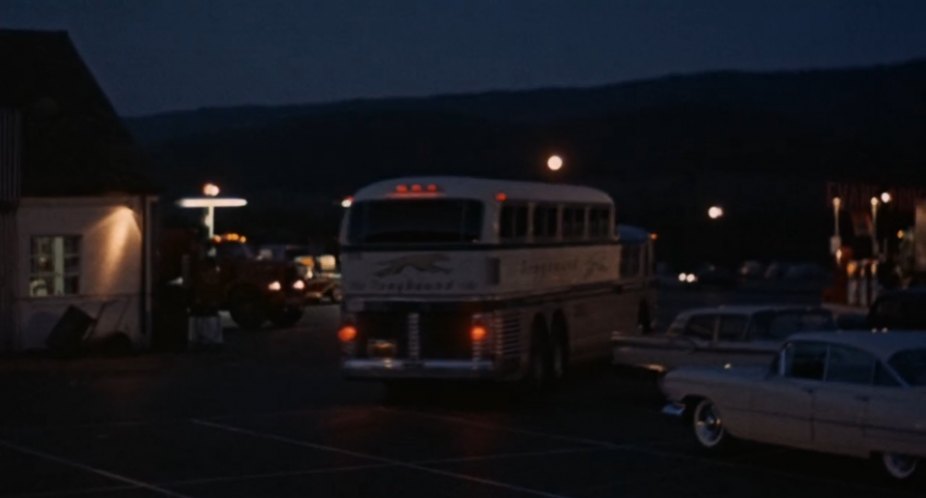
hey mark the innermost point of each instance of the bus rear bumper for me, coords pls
(389, 368)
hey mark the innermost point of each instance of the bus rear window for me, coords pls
(415, 221)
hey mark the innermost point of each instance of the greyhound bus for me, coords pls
(468, 278)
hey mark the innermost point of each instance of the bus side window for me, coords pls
(513, 222)
(599, 222)
(545, 221)
(574, 223)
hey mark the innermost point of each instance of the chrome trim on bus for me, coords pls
(387, 368)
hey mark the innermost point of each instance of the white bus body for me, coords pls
(448, 277)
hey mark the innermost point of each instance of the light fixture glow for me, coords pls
(347, 202)
(555, 162)
(210, 190)
(205, 202)
(886, 197)
(715, 212)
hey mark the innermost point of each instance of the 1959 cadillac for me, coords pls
(852, 393)
(741, 335)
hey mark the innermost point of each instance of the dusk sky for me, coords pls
(153, 56)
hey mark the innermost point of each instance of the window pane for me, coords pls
(54, 265)
(40, 286)
(732, 328)
(513, 222)
(911, 365)
(806, 361)
(544, 221)
(849, 365)
(71, 285)
(883, 377)
(701, 327)
(779, 325)
(411, 221)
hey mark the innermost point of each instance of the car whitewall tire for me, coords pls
(900, 467)
(707, 425)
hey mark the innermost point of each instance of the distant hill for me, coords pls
(760, 143)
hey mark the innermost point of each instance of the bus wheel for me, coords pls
(644, 318)
(559, 349)
(538, 371)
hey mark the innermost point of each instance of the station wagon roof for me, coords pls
(485, 189)
(881, 344)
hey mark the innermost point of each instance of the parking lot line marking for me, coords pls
(513, 430)
(75, 492)
(87, 468)
(273, 475)
(501, 456)
(357, 454)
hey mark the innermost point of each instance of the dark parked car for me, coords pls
(899, 310)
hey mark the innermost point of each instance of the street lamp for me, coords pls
(555, 162)
(210, 201)
(886, 197)
(715, 212)
(347, 201)
(874, 226)
(836, 240)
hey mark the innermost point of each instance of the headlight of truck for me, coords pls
(299, 285)
(274, 286)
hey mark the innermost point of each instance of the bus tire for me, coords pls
(559, 348)
(247, 309)
(644, 317)
(537, 376)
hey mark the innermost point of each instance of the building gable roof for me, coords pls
(73, 141)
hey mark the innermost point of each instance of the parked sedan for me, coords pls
(859, 394)
(741, 335)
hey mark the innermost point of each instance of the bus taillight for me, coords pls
(347, 333)
(478, 333)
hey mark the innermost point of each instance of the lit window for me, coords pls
(54, 266)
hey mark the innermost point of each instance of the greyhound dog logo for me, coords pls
(425, 263)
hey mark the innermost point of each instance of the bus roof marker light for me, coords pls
(501, 197)
(432, 187)
(401, 188)
(416, 187)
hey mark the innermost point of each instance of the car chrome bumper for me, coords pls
(388, 368)
(674, 409)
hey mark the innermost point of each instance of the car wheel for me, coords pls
(335, 295)
(708, 427)
(287, 317)
(247, 310)
(900, 467)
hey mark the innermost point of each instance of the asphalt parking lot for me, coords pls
(269, 415)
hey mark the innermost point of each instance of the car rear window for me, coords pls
(732, 327)
(805, 360)
(849, 365)
(778, 325)
(911, 365)
(701, 327)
